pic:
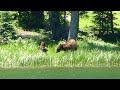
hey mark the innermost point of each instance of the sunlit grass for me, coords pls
(90, 53)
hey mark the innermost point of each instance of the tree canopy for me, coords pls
(60, 24)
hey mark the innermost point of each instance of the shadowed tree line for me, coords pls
(57, 24)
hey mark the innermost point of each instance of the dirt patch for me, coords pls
(27, 34)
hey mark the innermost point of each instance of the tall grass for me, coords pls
(25, 53)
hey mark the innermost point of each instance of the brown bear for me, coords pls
(69, 45)
(43, 46)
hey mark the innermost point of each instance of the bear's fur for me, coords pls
(69, 45)
(43, 46)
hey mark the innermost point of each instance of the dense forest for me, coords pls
(57, 25)
(97, 34)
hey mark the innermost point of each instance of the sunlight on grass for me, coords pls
(90, 53)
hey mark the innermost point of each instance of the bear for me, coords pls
(43, 46)
(69, 45)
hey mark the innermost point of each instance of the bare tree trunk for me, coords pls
(74, 25)
(111, 15)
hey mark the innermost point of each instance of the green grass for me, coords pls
(60, 73)
(90, 53)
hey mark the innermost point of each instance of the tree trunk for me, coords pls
(65, 27)
(74, 25)
(54, 18)
(111, 15)
(64, 17)
(38, 20)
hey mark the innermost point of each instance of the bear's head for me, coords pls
(59, 48)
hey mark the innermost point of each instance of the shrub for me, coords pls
(7, 27)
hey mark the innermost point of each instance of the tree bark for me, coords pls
(74, 25)
(54, 18)
(111, 15)
(39, 18)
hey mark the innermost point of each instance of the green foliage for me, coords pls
(31, 20)
(58, 25)
(7, 30)
(83, 14)
(104, 21)
(7, 25)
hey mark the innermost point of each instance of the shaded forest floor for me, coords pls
(37, 37)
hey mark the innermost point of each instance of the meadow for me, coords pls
(93, 59)
(90, 53)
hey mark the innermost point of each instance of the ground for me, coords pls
(61, 73)
(27, 34)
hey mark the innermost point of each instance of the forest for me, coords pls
(96, 33)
